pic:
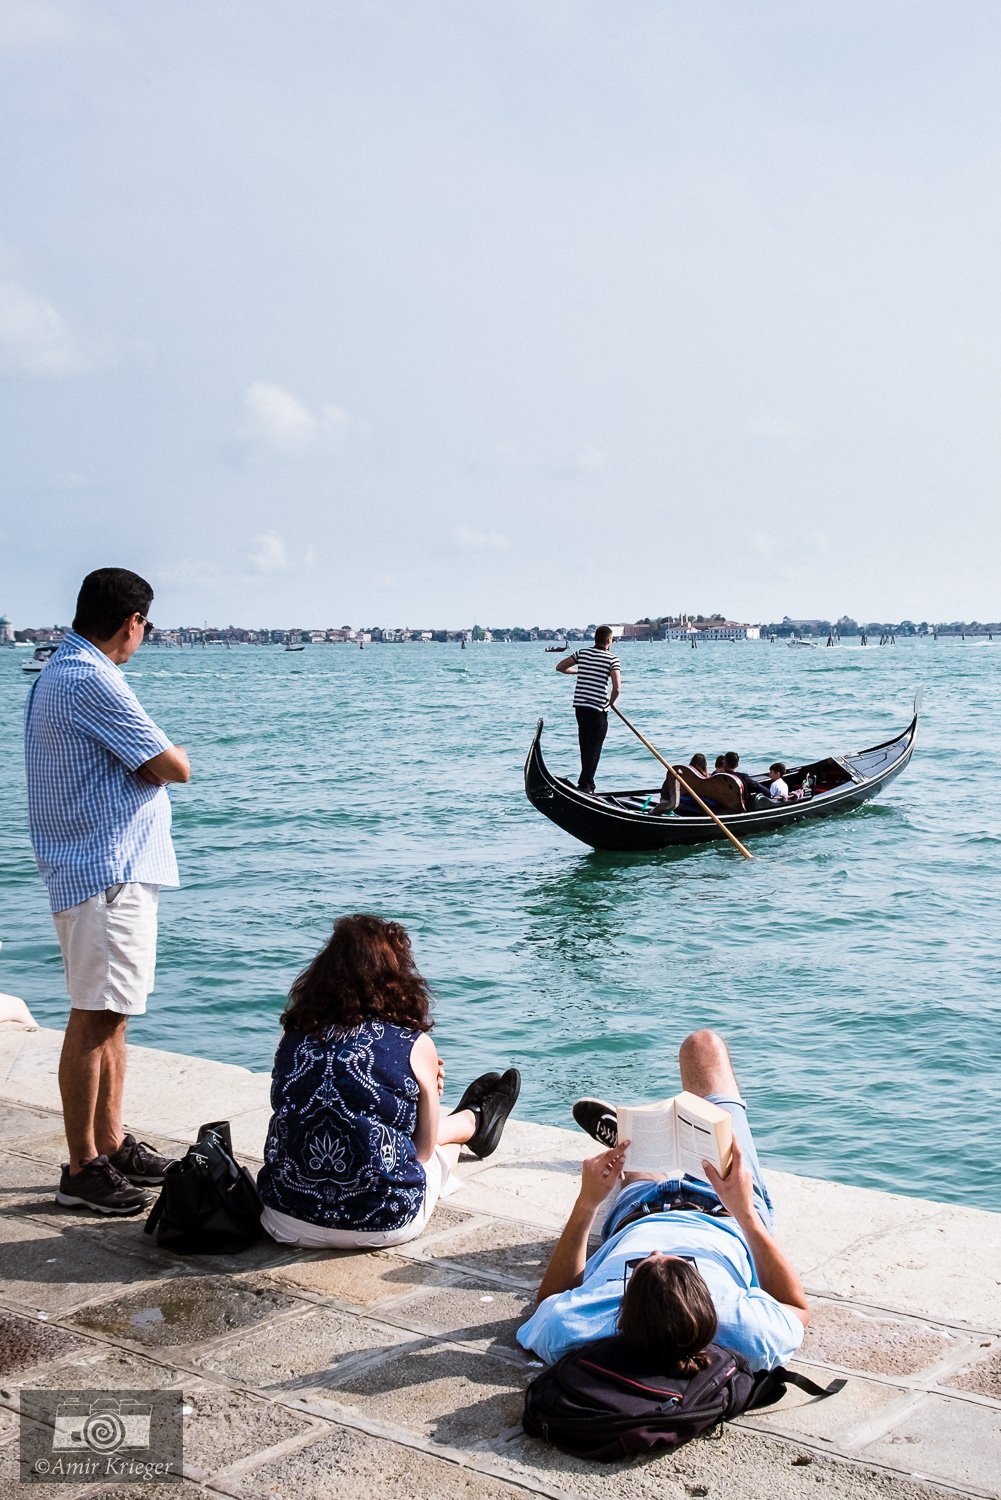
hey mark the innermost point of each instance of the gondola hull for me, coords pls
(623, 822)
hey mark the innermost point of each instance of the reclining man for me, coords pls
(680, 1264)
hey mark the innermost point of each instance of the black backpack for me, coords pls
(209, 1204)
(602, 1401)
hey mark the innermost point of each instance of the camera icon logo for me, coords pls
(102, 1426)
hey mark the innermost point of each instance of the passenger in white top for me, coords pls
(778, 791)
(594, 667)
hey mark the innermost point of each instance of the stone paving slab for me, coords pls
(352, 1465)
(853, 1338)
(397, 1372)
(301, 1354)
(941, 1438)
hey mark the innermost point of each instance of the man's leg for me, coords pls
(592, 726)
(109, 1132)
(91, 1078)
(706, 1069)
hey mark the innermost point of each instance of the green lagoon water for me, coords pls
(853, 966)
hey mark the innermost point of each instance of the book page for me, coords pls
(649, 1129)
(704, 1133)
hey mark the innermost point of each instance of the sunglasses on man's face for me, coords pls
(638, 1260)
(148, 627)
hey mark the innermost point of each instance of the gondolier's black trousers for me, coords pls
(592, 726)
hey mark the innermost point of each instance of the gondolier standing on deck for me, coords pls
(594, 667)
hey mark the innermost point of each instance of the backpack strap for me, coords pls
(770, 1386)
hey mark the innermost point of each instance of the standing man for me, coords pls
(97, 769)
(594, 666)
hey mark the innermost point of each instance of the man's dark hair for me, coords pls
(720, 762)
(603, 636)
(731, 760)
(106, 599)
(667, 1313)
(778, 768)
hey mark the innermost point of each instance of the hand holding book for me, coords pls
(675, 1136)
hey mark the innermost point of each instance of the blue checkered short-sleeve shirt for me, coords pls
(93, 822)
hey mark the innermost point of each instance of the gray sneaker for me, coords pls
(98, 1185)
(140, 1162)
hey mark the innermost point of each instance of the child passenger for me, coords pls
(358, 1151)
(778, 790)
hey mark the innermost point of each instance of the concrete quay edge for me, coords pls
(335, 1375)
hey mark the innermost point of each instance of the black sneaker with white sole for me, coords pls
(598, 1119)
(140, 1162)
(98, 1185)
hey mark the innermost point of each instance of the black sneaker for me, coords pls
(598, 1119)
(139, 1162)
(493, 1110)
(477, 1091)
(98, 1185)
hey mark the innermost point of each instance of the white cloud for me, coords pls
(24, 26)
(34, 339)
(31, 25)
(267, 553)
(590, 460)
(279, 422)
(482, 540)
(309, 556)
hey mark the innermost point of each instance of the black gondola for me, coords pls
(623, 821)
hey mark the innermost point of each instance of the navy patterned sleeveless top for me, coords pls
(340, 1150)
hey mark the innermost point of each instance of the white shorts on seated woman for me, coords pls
(441, 1182)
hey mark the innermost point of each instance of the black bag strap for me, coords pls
(770, 1386)
(153, 1217)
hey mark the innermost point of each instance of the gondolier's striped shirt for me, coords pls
(94, 823)
(594, 668)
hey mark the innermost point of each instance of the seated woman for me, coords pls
(358, 1151)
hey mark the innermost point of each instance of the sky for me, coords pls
(442, 312)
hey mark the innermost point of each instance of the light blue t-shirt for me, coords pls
(750, 1320)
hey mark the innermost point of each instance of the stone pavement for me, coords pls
(397, 1373)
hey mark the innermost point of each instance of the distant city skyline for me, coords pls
(632, 629)
(445, 312)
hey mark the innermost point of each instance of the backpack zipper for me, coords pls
(635, 1385)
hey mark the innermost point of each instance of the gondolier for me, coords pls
(595, 668)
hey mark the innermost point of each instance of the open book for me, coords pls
(674, 1137)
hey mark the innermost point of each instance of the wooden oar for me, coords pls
(685, 786)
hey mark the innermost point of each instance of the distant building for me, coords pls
(6, 632)
(727, 630)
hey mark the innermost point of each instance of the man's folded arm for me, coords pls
(171, 764)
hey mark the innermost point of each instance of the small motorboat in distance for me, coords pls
(623, 821)
(40, 657)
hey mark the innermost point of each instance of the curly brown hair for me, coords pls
(366, 972)
(667, 1312)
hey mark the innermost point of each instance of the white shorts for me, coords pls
(109, 948)
(441, 1181)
